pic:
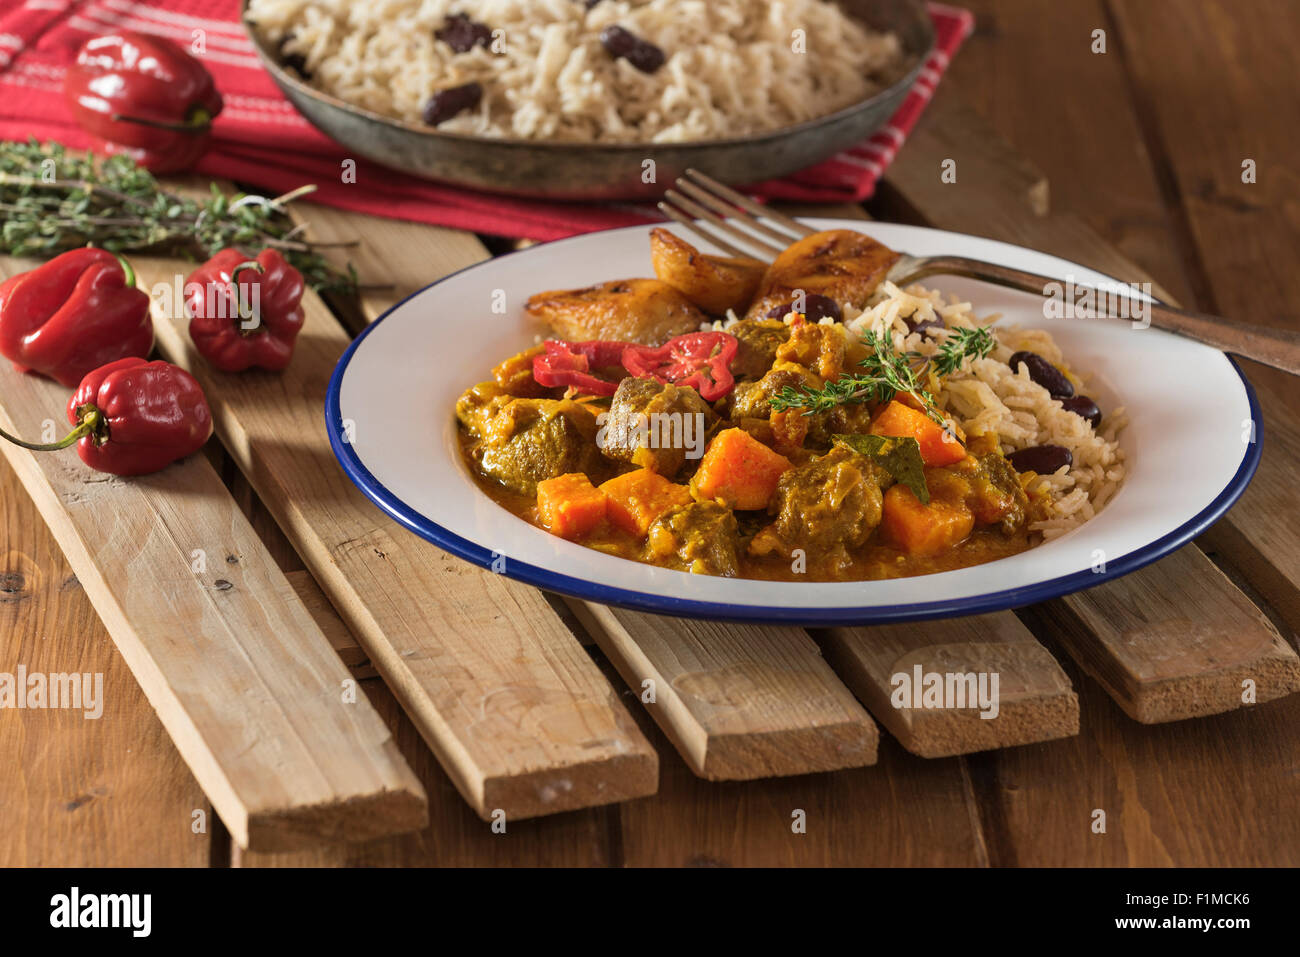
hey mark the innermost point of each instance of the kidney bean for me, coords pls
(927, 325)
(815, 308)
(298, 63)
(462, 34)
(1043, 459)
(1083, 407)
(1044, 373)
(642, 54)
(445, 104)
(294, 61)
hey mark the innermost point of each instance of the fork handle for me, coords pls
(1278, 348)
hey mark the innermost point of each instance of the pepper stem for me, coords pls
(234, 289)
(126, 268)
(198, 121)
(89, 423)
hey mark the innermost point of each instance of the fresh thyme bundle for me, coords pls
(887, 373)
(52, 201)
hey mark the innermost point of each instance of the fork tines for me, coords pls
(706, 199)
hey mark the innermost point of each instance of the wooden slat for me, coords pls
(982, 210)
(331, 625)
(797, 717)
(1260, 538)
(80, 792)
(520, 718)
(245, 683)
(1187, 793)
(900, 812)
(1205, 114)
(1169, 648)
(341, 639)
(1035, 701)
(393, 258)
(318, 606)
(1182, 794)
(737, 701)
(456, 836)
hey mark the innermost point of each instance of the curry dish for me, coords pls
(725, 419)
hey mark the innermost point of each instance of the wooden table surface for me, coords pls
(1144, 144)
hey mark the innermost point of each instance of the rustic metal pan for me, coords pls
(605, 171)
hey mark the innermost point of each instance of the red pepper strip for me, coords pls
(144, 96)
(73, 314)
(700, 360)
(245, 313)
(570, 364)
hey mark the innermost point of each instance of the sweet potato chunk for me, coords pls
(739, 471)
(569, 505)
(635, 499)
(901, 421)
(924, 529)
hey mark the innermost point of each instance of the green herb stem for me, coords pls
(887, 373)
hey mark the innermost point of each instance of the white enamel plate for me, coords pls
(1191, 442)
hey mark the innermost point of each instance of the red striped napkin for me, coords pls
(260, 139)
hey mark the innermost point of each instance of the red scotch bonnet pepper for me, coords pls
(143, 96)
(134, 417)
(73, 314)
(245, 313)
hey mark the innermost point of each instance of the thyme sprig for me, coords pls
(52, 201)
(887, 373)
(962, 344)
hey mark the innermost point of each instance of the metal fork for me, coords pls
(699, 199)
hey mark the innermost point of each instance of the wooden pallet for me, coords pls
(286, 756)
(492, 673)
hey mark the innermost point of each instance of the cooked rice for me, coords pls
(731, 67)
(985, 395)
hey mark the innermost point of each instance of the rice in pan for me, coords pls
(731, 68)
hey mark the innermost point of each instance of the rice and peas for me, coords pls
(988, 396)
(731, 67)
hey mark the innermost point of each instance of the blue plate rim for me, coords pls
(660, 604)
